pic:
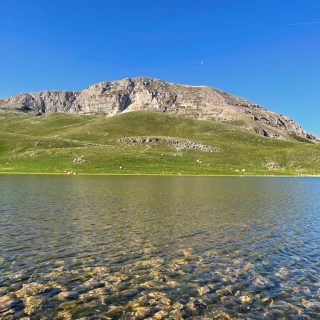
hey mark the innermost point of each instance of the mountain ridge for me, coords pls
(144, 93)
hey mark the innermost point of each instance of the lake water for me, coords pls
(163, 247)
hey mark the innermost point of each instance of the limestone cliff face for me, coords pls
(135, 94)
(41, 102)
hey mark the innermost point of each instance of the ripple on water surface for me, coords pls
(159, 247)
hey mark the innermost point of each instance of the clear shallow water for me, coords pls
(161, 247)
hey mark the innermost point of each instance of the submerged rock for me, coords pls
(64, 315)
(310, 304)
(203, 290)
(245, 299)
(160, 315)
(30, 289)
(275, 314)
(191, 307)
(68, 305)
(114, 311)
(5, 302)
(142, 312)
(261, 281)
(31, 304)
(176, 315)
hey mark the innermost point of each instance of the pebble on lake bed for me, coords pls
(260, 281)
(176, 315)
(191, 307)
(248, 266)
(203, 290)
(63, 295)
(220, 315)
(310, 304)
(64, 315)
(142, 312)
(160, 315)
(30, 289)
(282, 273)
(31, 304)
(114, 311)
(245, 299)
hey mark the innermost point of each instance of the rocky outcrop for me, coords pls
(178, 144)
(127, 95)
(42, 102)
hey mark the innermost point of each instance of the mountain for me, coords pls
(134, 94)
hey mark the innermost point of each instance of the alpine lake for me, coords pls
(159, 247)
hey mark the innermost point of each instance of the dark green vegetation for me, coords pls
(59, 143)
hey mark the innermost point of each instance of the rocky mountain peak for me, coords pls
(143, 93)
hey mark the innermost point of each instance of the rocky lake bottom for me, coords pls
(117, 247)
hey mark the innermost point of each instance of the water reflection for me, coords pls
(161, 247)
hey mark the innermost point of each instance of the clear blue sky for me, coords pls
(267, 51)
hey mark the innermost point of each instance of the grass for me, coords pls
(51, 143)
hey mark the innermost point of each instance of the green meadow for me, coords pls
(89, 144)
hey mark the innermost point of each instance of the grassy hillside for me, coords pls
(59, 143)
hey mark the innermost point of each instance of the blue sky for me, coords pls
(266, 51)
